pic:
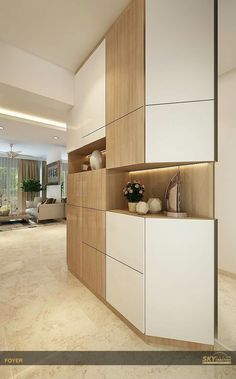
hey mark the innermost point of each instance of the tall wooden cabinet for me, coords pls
(146, 98)
(180, 74)
(86, 228)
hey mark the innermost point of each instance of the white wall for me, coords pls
(226, 172)
(54, 155)
(26, 71)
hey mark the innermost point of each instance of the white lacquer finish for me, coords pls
(96, 135)
(179, 50)
(125, 239)
(180, 279)
(91, 92)
(125, 291)
(181, 132)
(86, 120)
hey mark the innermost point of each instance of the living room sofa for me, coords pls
(45, 211)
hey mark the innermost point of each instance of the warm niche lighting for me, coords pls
(29, 117)
(170, 167)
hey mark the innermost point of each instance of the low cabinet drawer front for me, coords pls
(125, 239)
(125, 291)
(180, 279)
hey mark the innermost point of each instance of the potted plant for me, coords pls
(133, 191)
(31, 186)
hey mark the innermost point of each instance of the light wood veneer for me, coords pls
(74, 239)
(125, 63)
(125, 140)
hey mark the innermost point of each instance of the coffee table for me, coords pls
(19, 217)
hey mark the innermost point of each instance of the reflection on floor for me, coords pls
(43, 307)
(227, 312)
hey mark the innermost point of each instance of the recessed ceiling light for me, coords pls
(55, 137)
(30, 117)
(1, 127)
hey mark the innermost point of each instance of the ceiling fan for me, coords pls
(11, 153)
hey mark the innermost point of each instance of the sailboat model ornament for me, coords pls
(172, 198)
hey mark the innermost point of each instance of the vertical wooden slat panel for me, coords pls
(125, 63)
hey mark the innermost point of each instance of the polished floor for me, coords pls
(43, 307)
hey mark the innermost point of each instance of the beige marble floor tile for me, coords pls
(227, 311)
(43, 307)
(131, 372)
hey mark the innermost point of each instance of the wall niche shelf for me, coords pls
(79, 156)
(197, 184)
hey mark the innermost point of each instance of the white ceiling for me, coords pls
(227, 35)
(32, 140)
(60, 31)
(64, 32)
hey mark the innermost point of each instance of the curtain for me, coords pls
(9, 181)
(44, 178)
(27, 169)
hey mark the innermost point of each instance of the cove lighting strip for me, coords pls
(29, 117)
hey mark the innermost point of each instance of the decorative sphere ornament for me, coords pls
(96, 160)
(155, 205)
(142, 207)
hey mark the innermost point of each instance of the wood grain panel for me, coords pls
(89, 274)
(74, 189)
(101, 231)
(125, 63)
(94, 228)
(125, 140)
(101, 274)
(74, 239)
(85, 189)
(89, 227)
(94, 189)
(93, 269)
(115, 184)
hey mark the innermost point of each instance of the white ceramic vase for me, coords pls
(142, 207)
(96, 160)
(155, 205)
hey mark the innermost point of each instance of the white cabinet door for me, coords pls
(86, 120)
(125, 239)
(180, 279)
(91, 92)
(179, 50)
(125, 291)
(182, 132)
